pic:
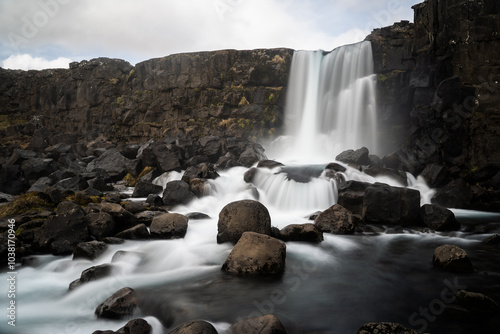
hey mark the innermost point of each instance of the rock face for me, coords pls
(256, 254)
(242, 216)
(451, 258)
(267, 324)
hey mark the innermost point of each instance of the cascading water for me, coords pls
(330, 105)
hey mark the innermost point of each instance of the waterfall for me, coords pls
(331, 104)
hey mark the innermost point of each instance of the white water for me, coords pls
(330, 105)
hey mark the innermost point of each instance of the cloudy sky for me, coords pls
(37, 34)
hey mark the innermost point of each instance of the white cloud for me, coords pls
(27, 62)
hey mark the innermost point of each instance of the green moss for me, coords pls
(114, 81)
(5, 122)
(130, 179)
(130, 75)
(80, 199)
(243, 102)
(24, 203)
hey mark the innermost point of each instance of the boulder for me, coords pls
(200, 171)
(162, 156)
(101, 225)
(452, 258)
(211, 146)
(267, 324)
(177, 192)
(435, 175)
(438, 218)
(89, 250)
(301, 232)
(122, 217)
(169, 226)
(251, 155)
(121, 304)
(115, 164)
(135, 326)
(99, 183)
(197, 216)
(270, 164)
(35, 168)
(242, 216)
(75, 183)
(358, 157)
(456, 194)
(195, 327)
(394, 174)
(138, 232)
(113, 198)
(144, 189)
(385, 328)
(154, 200)
(134, 207)
(256, 254)
(92, 274)
(336, 220)
(492, 240)
(476, 303)
(250, 174)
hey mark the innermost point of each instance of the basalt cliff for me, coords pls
(438, 100)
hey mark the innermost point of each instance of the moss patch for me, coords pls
(22, 204)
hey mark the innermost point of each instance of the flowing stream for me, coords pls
(336, 286)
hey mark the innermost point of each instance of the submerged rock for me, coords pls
(92, 274)
(336, 220)
(195, 327)
(452, 258)
(89, 250)
(242, 216)
(476, 303)
(438, 218)
(358, 157)
(121, 304)
(267, 324)
(256, 254)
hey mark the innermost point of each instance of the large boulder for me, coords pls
(121, 304)
(380, 203)
(145, 188)
(251, 155)
(476, 303)
(122, 217)
(169, 226)
(177, 192)
(256, 254)
(452, 258)
(195, 327)
(456, 194)
(165, 157)
(138, 232)
(115, 164)
(101, 225)
(301, 232)
(200, 171)
(385, 328)
(439, 218)
(435, 175)
(358, 157)
(92, 274)
(89, 250)
(267, 324)
(242, 216)
(336, 220)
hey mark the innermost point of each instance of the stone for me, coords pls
(122, 217)
(358, 157)
(113, 198)
(385, 328)
(200, 171)
(138, 232)
(144, 189)
(456, 194)
(492, 240)
(476, 303)
(101, 225)
(195, 327)
(301, 232)
(114, 163)
(154, 200)
(435, 175)
(439, 218)
(197, 216)
(120, 305)
(92, 274)
(89, 250)
(335, 167)
(336, 219)
(242, 216)
(177, 192)
(250, 174)
(270, 164)
(134, 207)
(252, 155)
(256, 254)
(267, 324)
(452, 258)
(169, 226)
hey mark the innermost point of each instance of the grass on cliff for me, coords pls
(22, 204)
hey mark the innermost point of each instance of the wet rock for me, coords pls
(385, 328)
(476, 303)
(89, 250)
(128, 257)
(195, 327)
(438, 218)
(301, 232)
(135, 326)
(358, 157)
(121, 304)
(452, 258)
(122, 217)
(435, 175)
(268, 324)
(164, 157)
(251, 155)
(456, 194)
(138, 232)
(200, 187)
(134, 207)
(397, 175)
(242, 216)
(177, 192)
(250, 175)
(333, 166)
(201, 171)
(144, 189)
(92, 274)
(271, 164)
(336, 220)
(197, 216)
(154, 200)
(101, 225)
(211, 146)
(169, 226)
(256, 254)
(492, 240)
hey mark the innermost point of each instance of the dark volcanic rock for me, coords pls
(336, 220)
(358, 157)
(89, 250)
(451, 258)
(121, 304)
(385, 328)
(169, 226)
(92, 274)
(242, 216)
(136, 326)
(456, 194)
(438, 218)
(138, 232)
(101, 225)
(476, 303)
(177, 192)
(435, 175)
(301, 232)
(144, 189)
(256, 254)
(268, 324)
(122, 217)
(114, 163)
(195, 327)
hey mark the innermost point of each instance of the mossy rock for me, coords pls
(24, 203)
